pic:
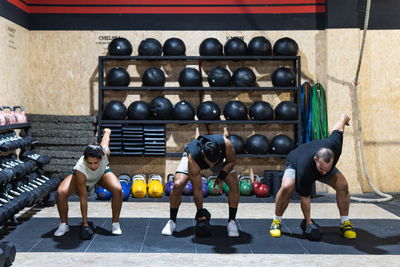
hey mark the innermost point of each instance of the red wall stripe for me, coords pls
(172, 2)
(178, 10)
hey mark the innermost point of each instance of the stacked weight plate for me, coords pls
(116, 141)
(154, 140)
(133, 140)
(63, 138)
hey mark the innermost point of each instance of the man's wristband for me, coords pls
(222, 175)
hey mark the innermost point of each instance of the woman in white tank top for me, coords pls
(91, 169)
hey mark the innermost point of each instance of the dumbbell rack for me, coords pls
(20, 199)
(200, 59)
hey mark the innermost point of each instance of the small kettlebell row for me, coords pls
(12, 115)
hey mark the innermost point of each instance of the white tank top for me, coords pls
(92, 177)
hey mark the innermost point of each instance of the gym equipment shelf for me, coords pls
(126, 122)
(198, 58)
(294, 91)
(171, 154)
(15, 126)
(197, 88)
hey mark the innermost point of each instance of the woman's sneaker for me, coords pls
(62, 229)
(169, 228)
(116, 229)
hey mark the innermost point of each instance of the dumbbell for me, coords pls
(156, 187)
(245, 187)
(41, 160)
(139, 187)
(18, 168)
(6, 175)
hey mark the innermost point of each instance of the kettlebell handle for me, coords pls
(19, 107)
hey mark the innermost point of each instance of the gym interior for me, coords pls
(268, 75)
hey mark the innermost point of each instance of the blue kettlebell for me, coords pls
(204, 186)
(188, 189)
(103, 194)
(125, 190)
(168, 188)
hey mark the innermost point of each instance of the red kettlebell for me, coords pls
(261, 191)
(9, 116)
(20, 116)
(255, 182)
(2, 119)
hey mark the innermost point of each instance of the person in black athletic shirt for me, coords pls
(214, 152)
(311, 162)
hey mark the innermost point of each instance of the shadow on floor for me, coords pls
(366, 242)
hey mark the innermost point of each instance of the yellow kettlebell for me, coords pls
(139, 188)
(156, 188)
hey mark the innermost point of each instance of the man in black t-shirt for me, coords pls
(214, 152)
(305, 165)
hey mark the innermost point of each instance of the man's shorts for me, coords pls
(290, 172)
(183, 166)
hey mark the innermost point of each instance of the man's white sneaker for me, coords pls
(169, 228)
(62, 229)
(232, 229)
(116, 229)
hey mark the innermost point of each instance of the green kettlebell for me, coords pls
(245, 187)
(225, 188)
(212, 191)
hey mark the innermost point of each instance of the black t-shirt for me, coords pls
(302, 160)
(194, 148)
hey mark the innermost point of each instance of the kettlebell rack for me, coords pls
(117, 124)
